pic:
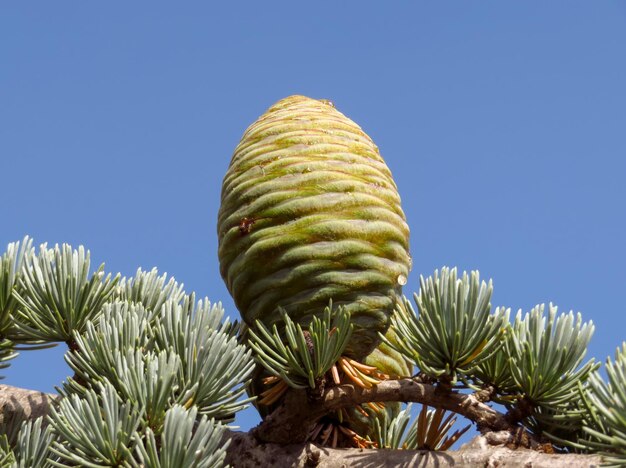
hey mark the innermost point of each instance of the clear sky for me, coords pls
(504, 124)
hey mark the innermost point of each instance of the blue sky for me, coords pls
(502, 122)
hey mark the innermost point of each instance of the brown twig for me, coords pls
(296, 416)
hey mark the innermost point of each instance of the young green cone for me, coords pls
(310, 213)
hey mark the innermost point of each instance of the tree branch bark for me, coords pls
(295, 418)
(246, 450)
(22, 404)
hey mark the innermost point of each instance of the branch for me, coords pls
(295, 418)
(21, 404)
(246, 451)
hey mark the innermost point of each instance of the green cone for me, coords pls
(388, 360)
(309, 213)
